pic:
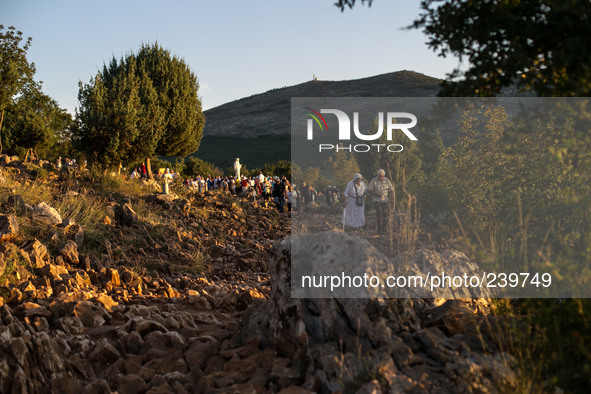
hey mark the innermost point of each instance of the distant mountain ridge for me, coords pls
(269, 113)
(257, 128)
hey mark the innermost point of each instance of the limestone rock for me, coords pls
(125, 215)
(35, 249)
(130, 384)
(144, 326)
(162, 199)
(70, 252)
(340, 338)
(107, 302)
(97, 387)
(104, 352)
(9, 227)
(199, 353)
(453, 317)
(46, 214)
(90, 315)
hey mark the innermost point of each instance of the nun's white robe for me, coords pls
(354, 215)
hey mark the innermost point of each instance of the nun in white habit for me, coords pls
(354, 214)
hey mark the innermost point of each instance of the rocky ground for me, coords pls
(145, 293)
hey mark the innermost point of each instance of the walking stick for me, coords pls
(344, 217)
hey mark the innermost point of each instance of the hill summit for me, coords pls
(257, 128)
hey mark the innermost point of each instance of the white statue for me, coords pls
(237, 167)
(166, 179)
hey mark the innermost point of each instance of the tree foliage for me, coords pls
(15, 70)
(521, 187)
(350, 3)
(517, 186)
(35, 121)
(195, 166)
(398, 166)
(145, 104)
(539, 45)
(340, 167)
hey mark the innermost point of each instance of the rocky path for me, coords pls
(192, 295)
(154, 307)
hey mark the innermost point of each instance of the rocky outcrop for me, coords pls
(71, 331)
(153, 302)
(77, 323)
(358, 270)
(376, 345)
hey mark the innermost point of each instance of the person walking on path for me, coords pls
(354, 213)
(380, 188)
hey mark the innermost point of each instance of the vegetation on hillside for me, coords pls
(254, 152)
(145, 104)
(514, 195)
(517, 198)
(513, 192)
(29, 119)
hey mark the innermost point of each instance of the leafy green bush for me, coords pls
(195, 166)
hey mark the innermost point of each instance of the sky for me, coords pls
(236, 48)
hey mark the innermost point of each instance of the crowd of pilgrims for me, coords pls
(279, 191)
(270, 188)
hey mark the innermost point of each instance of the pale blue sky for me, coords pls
(236, 48)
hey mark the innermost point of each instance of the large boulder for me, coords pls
(342, 342)
(164, 200)
(345, 266)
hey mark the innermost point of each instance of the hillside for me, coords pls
(108, 286)
(257, 128)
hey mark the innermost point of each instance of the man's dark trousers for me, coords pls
(382, 216)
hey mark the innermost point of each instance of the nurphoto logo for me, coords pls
(344, 130)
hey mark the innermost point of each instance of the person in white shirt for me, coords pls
(380, 189)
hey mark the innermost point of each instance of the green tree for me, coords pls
(350, 3)
(426, 184)
(539, 45)
(501, 177)
(282, 169)
(196, 166)
(176, 87)
(431, 148)
(145, 104)
(340, 167)
(119, 120)
(399, 166)
(35, 121)
(15, 70)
